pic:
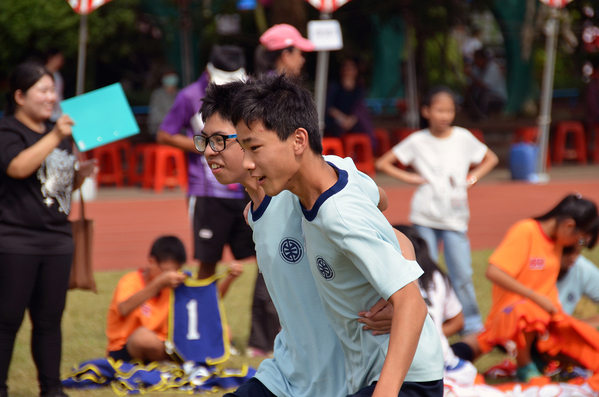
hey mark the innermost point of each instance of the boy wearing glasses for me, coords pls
(353, 253)
(308, 359)
(214, 209)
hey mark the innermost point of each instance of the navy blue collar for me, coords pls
(310, 215)
(256, 214)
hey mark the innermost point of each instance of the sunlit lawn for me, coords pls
(84, 323)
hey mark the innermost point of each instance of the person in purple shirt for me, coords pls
(216, 210)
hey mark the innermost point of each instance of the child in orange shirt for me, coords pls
(138, 313)
(525, 309)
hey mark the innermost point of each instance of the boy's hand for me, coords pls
(378, 318)
(170, 279)
(236, 268)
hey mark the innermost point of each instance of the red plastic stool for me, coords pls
(594, 137)
(384, 141)
(164, 166)
(359, 147)
(402, 133)
(137, 162)
(110, 162)
(526, 135)
(333, 146)
(478, 134)
(562, 129)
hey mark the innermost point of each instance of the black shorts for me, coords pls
(251, 388)
(122, 354)
(219, 221)
(410, 389)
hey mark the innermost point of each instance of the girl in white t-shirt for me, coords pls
(444, 308)
(441, 156)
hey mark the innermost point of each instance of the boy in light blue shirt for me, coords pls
(353, 254)
(578, 277)
(308, 359)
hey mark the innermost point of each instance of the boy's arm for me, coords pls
(167, 279)
(383, 200)
(486, 165)
(409, 313)
(386, 164)
(236, 269)
(378, 317)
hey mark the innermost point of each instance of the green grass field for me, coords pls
(85, 316)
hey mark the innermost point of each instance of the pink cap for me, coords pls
(283, 36)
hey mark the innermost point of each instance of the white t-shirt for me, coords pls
(442, 202)
(308, 359)
(443, 304)
(356, 259)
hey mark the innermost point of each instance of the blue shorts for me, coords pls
(410, 389)
(251, 388)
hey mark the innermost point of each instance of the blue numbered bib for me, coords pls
(197, 328)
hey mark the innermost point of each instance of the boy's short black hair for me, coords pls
(280, 103)
(169, 248)
(219, 99)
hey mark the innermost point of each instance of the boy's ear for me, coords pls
(152, 260)
(301, 140)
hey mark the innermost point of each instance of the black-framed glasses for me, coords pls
(217, 142)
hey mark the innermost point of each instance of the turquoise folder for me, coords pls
(101, 117)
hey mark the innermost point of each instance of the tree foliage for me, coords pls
(29, 27)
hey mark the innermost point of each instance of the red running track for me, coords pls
(125, 229)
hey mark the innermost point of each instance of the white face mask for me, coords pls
(170, 80)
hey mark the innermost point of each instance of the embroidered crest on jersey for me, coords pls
(291, 250)
(56, 175)
(324, 268)
(536, 263)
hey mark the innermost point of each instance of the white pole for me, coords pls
(544, 120)
(320, 89)
(413, 116)
(82, 54)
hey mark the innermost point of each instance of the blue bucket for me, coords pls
(523, 161)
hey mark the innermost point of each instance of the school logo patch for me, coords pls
(291, 250)
(536, 263)
(324, 268)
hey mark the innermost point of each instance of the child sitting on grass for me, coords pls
(443, 306)
(138, 313)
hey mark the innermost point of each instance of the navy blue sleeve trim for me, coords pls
(261, 208)
(310, 215)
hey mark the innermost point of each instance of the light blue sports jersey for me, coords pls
(581, 280)
(355, 258)
(308, 359)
